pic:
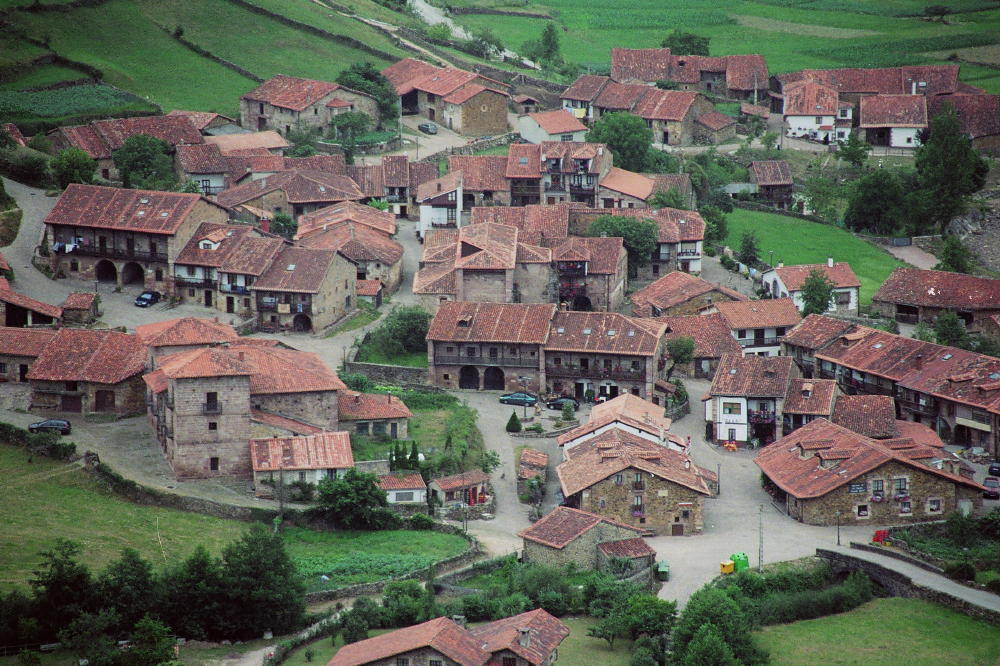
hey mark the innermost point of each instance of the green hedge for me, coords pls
(44, 443)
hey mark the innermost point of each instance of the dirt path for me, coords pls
(913, 255)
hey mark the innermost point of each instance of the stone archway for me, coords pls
(302, 323)
(468, 377)
(133, 273)
(582, 304)
(493, 379)
(105, 271)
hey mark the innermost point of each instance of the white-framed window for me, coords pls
(732, 408)
(934, 505)
(861, 511)
(905, 507)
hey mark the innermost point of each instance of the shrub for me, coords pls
(513, 423)
(728, 263)
(993, 585)
(961, 571)
(421, 521)
(27, 166)
(806, 604)
(535, 427)
(357, 381)
(568, 413)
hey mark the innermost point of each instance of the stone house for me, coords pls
(197, 269)
(823, 473)
(814, 111)
(572, 536)
(305, 289)
(346, 212)
(787, 282)
(715, 128)
(374, 414)
(469, 488)
(774, 182)
(625, 419)
(712, 341)
(735, 76)
(89, 372)
(483, 179)
(107, 234)
(374, 256)
(19, 347)
(652, 488)
(746, 399)
(100, 138)
(531, 464)
(370, 291)
(305, 458)
(395, 180)
(19, 310)
(895, 121)
(913, 295)
(284, 103)
(809, 399)
(81, 308)
(811, 334)
(759, 326)
(557, 125)
(293, 192)
(404, 488)
(163, 338)
(554, 172)
(978, 114)
(679, 293)
(241, 268)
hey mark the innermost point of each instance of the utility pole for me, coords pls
(760, 538)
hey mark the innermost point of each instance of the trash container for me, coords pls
(663, 570)
(740, 561)
(726, 567)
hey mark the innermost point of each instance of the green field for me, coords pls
(888, 631)
(796, 241)
(43, 76)
(64, 105)
(791, 34)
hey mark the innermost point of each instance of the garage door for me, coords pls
(71, 403)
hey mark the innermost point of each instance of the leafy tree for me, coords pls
(403, 330)
(127, 587)
(73, 166)
(380, 204)
(923, 332)
(954, 256)
(349, 125)
(63, 588)
(716, 228)
(6, 140)
(568, 413)
(821, 192)
(666, 84)
(660, 161)
(769, 140)
(357, 381)
(29, 658)
(489, 461)
(41, 143)
(686, 43)
(353, 502)
(190, 187)
(414, 459)
(713, 606)
(609, 628)
(708, 649)
(877, 204)
(89, 636)
(948, 168)
(681, 351)
(27, 166)
(817, 293)
(549, 51)
(671, 198)
(484, 44)
(626, 136)
(366, 78)
(513, 423)
(144, 163)
(640, 237)
(439, 33)
(647, 615)
(749, 249)
(151, 643)
(354, 629)
(854, 151)
(284, 224)
(405, 602)
(263, 589)
(950, 331)
(193, 596)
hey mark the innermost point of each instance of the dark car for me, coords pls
(562, 400)
(147, 298)
(992, 484)
(428, 128)
(518, 398)
(61, 426)
(994, 469)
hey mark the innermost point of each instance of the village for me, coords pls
(649, 402)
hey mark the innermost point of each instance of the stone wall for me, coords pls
(582, 551)
(665, 503)
(316, 407)
(388, 374)
(472, 147)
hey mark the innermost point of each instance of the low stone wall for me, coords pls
(391, 374)
(458, 11)
(473, 146)
(896, 554)
(448, 584)
(208, 54)
(753, 205)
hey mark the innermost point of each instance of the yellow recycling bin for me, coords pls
(726, 567)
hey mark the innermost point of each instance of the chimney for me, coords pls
(458, 619)
(439, 187)
(918, 362)
(265, 225)
(829, 262)
(240, 355)
(524, 638)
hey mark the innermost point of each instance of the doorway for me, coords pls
(302, 323)
(230, 304)
(468, 377)
(493, 379)
(133, 273)
(677, 529)
(106, 271)
(104, 401)
(208, 298)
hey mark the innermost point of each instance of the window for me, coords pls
(779, 331)
(213, 464)
(566, 137)
(819, 120)
(862, 510)
(878, 486)
(435, 662)
(403, 661)
(741, 333)
(211, 398)
(909, 139)
(843, 297)
(246, 302)
(685, 514)
(190, 292)
(3, 368)
(905, 507)
(732, 408)
(362, 428)
(934, 505)
(71, 386)
(619, 479)
(213, 425)
(302, 476)
(510, 661)
(900, 485)
(404, 496)
(637, 500)
(858, 487)
(378, 428)
(74, 265)
(446, 376)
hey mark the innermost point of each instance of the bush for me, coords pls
(961, 571)
(27, 166)
(993, 585)
(513, 423)
(728, 263)
(357, 381)
(421, 521)
(806, 604)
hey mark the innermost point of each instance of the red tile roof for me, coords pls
(486, 247)
(810, 396)
(675, 225)
(357, 242)
(79, 300)
(462, 480)
(202, 362)
(481, 172)
(334, 164)
(102, 137)
(101, 357)
(368, 287)
(752, 376)
(442, 635)
(771, 172)
(629, 183)
(767, 313)
(201, 119)
(808, 98)
(620, 96)
(354, 406)
(877, 352)
(649, 65)
(558, 121)
(120, 209)
(283, 422)
(712, 337)
(412, 481)
(893, 111)
(524, 160)
(444, 81)
(937, 79)
(840, 274)
(601, 253)
(939, 289)
(438, 278)
(16, 341)
(297, 269)
(347, 211)
(233, 144)
(675, 288)
(585, 88)
(816, 331)
(755, 110)
(536, 223)
(201, 158)
(583, 470)
(979, 115)
(959, 376)
(869, 415)
(324, 450)
(289, 92)
(252, 256)
(185, 331)
(8, 295)
(545, 633)
(714, 120)
(14, 133)
(299, 185)
(224, 237)
(275, 370)
(437, 187)
(605, 333)
(532, 463)
(630, 548)
(563, 525)
(659, 104)
(491, 322)
(466, 93)
(404, 73)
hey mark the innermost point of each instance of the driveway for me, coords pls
(914, 256)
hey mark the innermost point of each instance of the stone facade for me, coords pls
(391, 428)
(316, 407)
(606, 374)
(15, 368)
(335, 298)
(922, 488)
(483, 113)
(122, 399)
(581, 552)
(667, 508)
(390, 274)
(485, 365)
(259, 116)
(417, 657)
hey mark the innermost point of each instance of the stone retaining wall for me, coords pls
(458, 11)
(391, 374)
(473, 146)
(896, 554)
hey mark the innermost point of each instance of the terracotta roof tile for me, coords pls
(545, 633)
(324, 450)
(102, 137)
(275, 370)
(877, 352)
(714, 120)
(627, 182)
(203, 362)
(252, 256)
(622, 97)
(369, 179)
(939, 289)
(185, 331)
(675, 288)
(347, 211)
(647, 65)
(441, 634)
(979, 115)
(524, 160)
(354, 406)
(630, 548)
(226, 237)
(752, 376)
(536, 223)
(810, 396)
(357, 242)
(437, 187)
(840, 274)
(101, 357)
(768, 313)
(491, 322)
(79, 300)
(563, 525)
(438, 278)
(937, 79)
(201, 119)
(816, 331)
(267, 140)
(481, 172)
(289, 92)
(746, 72)
(574, 156)
(532, 463)
(663, 182)
(601, 253)
(396, 170)
(405, 72)
(299, 185)
(486, 247)
(585, 469)
(712, 336)
(444, 81)
(368, 287)
(869, 415)
(558, 121)
(755, 110)
(675, 225)
(201, 158)
(462, 480)
(297, 269)
(14, 133)
(808, 98)
(15, 341)
(957, 375)
(334, 164)
(604, 332)
(466, 93)
(586, 88)
(771, 172)
(411, 481)
(8, 295)
(125, 210)
(893, 111)
(283, 422)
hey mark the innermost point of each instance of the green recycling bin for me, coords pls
(740, 561)
(663, 570)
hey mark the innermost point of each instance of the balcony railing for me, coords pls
(234, 288)
(928, 407)
(211, 408)
(688, 253)
(594, 372)
(581, 188)
(868, 388)
(211, 189)
(502, 361)
(284, 308)
(116, 253)
(757, 416)
(194, 282)
(638, 485)
(827, 374)
(638, 511)
(395, 198)
(758, 342)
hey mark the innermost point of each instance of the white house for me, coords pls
(746, 399)
(627, 414)
(759, 326)
(786, 282)
(893, 120)
(558, 125)
(404, 488)
(308, 458)
(440, 202)
(811, 111)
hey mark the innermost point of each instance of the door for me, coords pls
(686, 266)
(677, 529)
(230, 304)
(208, 298)
(393, 430)
(130, 246)
(22, 373)
(430, 114)
(71, 403)
(102, 243)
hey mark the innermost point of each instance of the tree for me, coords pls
(284, 224)
(349, 125)
(923, 332)
(716, 228)
(749, 249)
(954, 256)
(439, 33)
(484, 43)
(877, 204)
(948, 168)
(817, 293)
(414, 460)
(489, 461)
(513, 423)
(366, 78)
(711, 605)
(144, 163)
(89, 636)
(821, 192)
(950, 331)
(660, 161)
(73, 166)
(671, 198)
(854, 151)
(549, 43)
(63, 588)
(128, 588)
(263, 589)
(190, 187)
(708, 649)
(403, 330)
(380, 204)
(568, 413)
(353, 502)
(354, 629)
(151, 643)
(193, 595)
(626, 136)
(681, 351)
(686, 43)
(609, 628)
(647, 615)
(640, 237)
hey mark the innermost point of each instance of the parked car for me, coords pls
(562, 400)
(61, 426)
(994, 468)
(428, 128)
(147, 298)
(992, 484)
(518, 398)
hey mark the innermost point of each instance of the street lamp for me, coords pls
(523, 382)
(838, 528)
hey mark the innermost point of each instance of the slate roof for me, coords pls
(583, 470)
(462, 480)
(185, 331)
(815, 331)
(604, 333)
(346, 211)
(771, 172)
(630, 548)
(252, 256)
(939, 289)
(102, 137)
(545, 634)
(308, 269)
(99, 207)
(357, 242)
(229, 144)
(355, 406)
(678, 287)
(324, 450)
(299, 186)
(289, 92)
(712, 337)
(411, 481)
(869, 415)
(752, 376)
(100, 357)
(441, 634)
(491, 322)
(715, 120)
(558, 121)
(563, 525)
(481, 172)
(810, 396)
(893, 111)
(201, 158)
(840, 274)
(979, 115)
(16, 341)
(767, 313)
(808, 98)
